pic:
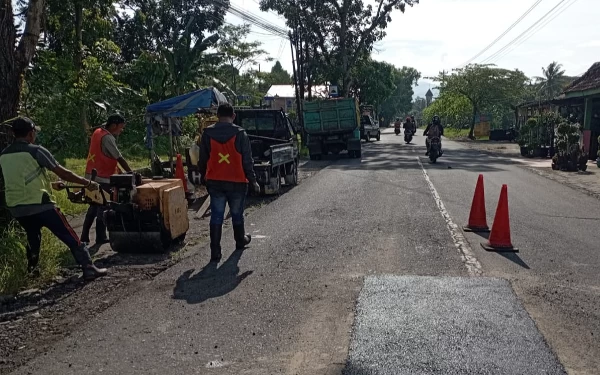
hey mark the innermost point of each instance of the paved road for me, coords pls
(287, 305)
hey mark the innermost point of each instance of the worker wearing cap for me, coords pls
(226, 167)
(103, 156)
(28, 195)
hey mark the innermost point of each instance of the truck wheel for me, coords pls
(368, 137)
(292, 177)
(358, 154)
(378, 136)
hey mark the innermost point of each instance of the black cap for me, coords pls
(115, 119)
(23, 125)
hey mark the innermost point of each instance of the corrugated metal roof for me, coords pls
(288, 91)
(589, 81)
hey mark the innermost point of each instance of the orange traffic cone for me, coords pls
(179, 173)
(500, 236)
(477, 217)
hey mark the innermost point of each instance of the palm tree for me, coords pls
(553, 79)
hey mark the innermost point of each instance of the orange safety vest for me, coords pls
(225, 162)
(104, 165)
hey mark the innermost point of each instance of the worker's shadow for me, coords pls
(210, 282)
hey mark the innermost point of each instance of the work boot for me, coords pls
(83, 258)
(241, 238)
(91, 272)
(32, 263)
(215, 242)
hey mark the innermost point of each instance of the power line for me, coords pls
(253, 19)
(561, 10)
(505, 32)
(523, 33)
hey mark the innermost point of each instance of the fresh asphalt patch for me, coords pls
(444, 325)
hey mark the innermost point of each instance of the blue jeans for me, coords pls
(218, 199)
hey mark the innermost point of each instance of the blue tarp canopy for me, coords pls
(187, 104)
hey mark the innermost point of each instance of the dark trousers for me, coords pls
(95, 212)
(219, 198)
(57, 223)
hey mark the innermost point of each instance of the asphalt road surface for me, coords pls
(362, 269)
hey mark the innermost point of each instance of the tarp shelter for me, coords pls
(180, 106)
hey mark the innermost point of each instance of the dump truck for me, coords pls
(332, 125)
(274, 146)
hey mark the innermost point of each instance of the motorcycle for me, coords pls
(397, 129)
(408, 136)
(435, 149)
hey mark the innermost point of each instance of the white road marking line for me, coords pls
(466, 253)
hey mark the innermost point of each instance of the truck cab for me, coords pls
(274, 146)
(369, 128)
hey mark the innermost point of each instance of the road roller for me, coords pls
(141, 215)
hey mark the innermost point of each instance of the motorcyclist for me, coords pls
(434, 129)
(397, 125)
(414, 122)
(408, 125)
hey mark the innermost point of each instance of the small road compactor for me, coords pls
(142, 215)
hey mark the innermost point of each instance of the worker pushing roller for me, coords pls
(103, 156)
(29, 196)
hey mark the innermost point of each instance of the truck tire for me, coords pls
(292, 178)
(368, 137)
(378, 136)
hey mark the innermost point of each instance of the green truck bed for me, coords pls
(331, 116)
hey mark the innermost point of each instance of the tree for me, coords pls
(419, 104)
(16, 53)
(553, 80)
(277, 76)
(454, 108)
(342, 31)
(238, 52)
(150, 25)
(374, 82)
(484, 86)
(399, 102)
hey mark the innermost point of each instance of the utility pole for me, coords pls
(298, 107)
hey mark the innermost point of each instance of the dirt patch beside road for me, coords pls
(32, 321)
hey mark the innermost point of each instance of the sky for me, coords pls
(438, 35)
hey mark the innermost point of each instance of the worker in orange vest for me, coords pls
(104, 156)
(226, 167)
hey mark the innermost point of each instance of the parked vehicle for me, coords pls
(408, 135)
(369, 128)
(332, 126)
(274, 146)
(435, 150)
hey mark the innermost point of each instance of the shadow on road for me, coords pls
(513, 257)
(395, 156)
(211, 282)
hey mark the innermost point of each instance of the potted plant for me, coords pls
(570, 156)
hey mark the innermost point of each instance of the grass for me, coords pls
(453, 133)
(54, 255)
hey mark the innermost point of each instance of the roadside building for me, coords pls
(581, 99)
(284, 96)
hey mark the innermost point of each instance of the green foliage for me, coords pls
(455, 110)
(374, 82)
(400, 101)
(342, 34)
(487, 88)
